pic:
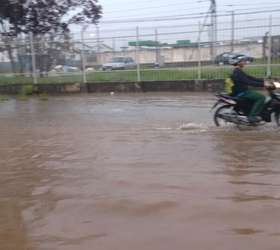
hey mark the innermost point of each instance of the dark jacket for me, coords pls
(242, 81)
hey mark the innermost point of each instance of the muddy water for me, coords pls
(141, 172)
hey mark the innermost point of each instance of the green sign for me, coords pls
(148, 43)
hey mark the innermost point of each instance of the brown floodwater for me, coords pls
(134, 171)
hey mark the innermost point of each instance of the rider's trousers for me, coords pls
(258, 100)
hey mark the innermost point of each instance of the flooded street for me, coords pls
(134, 172)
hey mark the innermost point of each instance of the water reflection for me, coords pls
(21, 174)
(26, 181)
(250, 161)
(248, 153)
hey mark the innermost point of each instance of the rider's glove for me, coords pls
(267, 83)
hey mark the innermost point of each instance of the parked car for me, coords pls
(226, 57)
(65, 69)
(119, 63)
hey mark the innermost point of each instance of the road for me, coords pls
(134, 171)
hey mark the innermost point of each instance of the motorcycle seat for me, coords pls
(226, 96)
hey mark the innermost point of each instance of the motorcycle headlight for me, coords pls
(277, 85)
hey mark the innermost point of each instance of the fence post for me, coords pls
(199, 52)
(33, 59)
(138, 55)
(157, 49)
(83, 54)
(269, 54)
(98, 44)
(232, 30)
(114, 45)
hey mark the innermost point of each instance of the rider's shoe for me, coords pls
(254, 119)
(243, 118)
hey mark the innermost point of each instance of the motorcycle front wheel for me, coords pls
(277, 118)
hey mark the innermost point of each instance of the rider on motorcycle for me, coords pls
(240, 89)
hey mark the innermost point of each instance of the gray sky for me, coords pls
(124, 12)
(127, 9)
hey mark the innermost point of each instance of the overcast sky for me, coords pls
(119, 18)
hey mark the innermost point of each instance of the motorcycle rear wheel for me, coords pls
(225, 109)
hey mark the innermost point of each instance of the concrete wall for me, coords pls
(99, 87)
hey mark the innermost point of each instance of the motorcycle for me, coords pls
(233, 110)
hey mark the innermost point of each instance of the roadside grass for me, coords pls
(171, 74)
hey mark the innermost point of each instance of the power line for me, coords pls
(257, 8)
(253, 4)
(147, 15)
(178, 17)
(182, 4)
(144, 8)
(186, 32)
(243, 9)
(132, 29)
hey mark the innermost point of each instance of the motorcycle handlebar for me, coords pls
(271, 84)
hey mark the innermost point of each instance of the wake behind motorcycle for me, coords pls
(233, 110)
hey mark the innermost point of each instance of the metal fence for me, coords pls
(165, 52)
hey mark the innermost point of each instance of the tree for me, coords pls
(43, 17)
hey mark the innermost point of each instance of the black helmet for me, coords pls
(236, 60)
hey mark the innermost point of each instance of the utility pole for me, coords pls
(213, 11)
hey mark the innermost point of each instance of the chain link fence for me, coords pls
(183, 52)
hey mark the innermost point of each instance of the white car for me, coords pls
(120, 63)
(65, 69)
